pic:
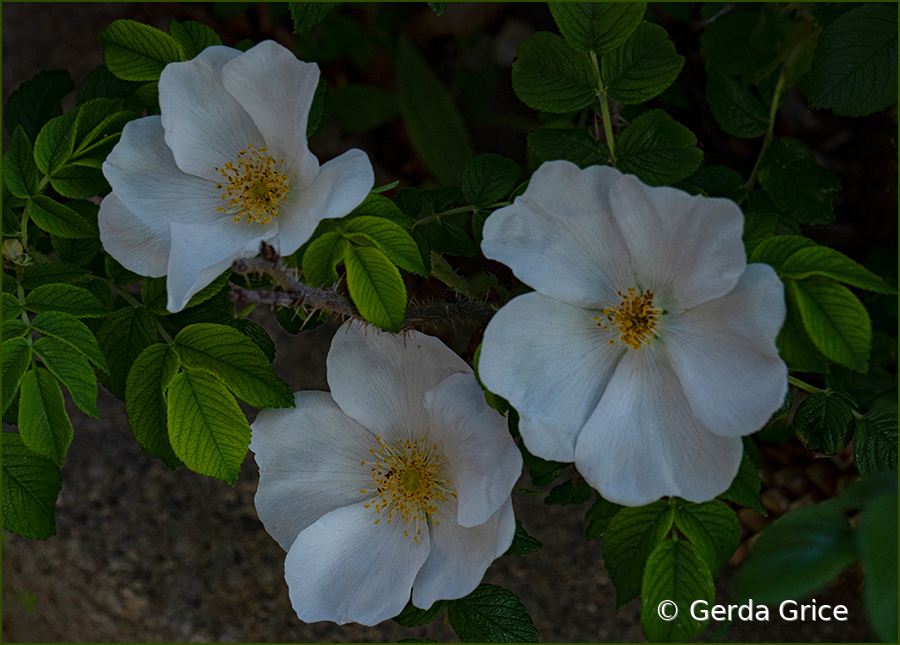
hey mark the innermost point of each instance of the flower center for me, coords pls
(407, 479)
(253, 188)
(635, 317)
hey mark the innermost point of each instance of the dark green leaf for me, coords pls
(488, 178)
(446, 236)
(137, 52)
(877, 543)
(52, 272)
(713, 528)
(392, 239)
(875, 443)
(438, 7)
(307, 15)
(824, 422)
(597, 26)
(735, 109)
(19, 170)
(100, 83)
(11, 307)
(79, 182)
(59, 219)
(412, 616)
(258, 335)
(776, 250)
(145, 402)
(718, 181)
(599, 516)
(542, 471)
(316, 109)
(16, 360)
(119, 275)
(794, 344)
(799, 187)
(43, 423)
(380, 206)
(491, 614)
(644, 66)
(31, 484)
(193, 37)
(55, 143)
(36, 102)
(360, 108)
(66, 298)
(122, 338)
(571, 144)
(13, 328)
(376, 287)
(72, 369)
(726, 41)
(69, 329)
(523, 543)
(549, 75)
(745, 488)
(824, 261)
(77, 252)
(209, 291)
(567, 494)
(658, 149)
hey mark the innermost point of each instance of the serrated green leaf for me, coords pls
(72, 369)
(776, 250)
(36, 102)
(821, 260)
(438, 7)
(824, 422)
(235, 360)
(11, 306)
(258, 335)
(307, 15)
(55, 143)
(542, 471)
(69, 329)
(52, 272)
(658, 149)
(642, 67)
(796, 555)
(875, 443)
(154, 295)
(16, 360)
(207, 429)
(145, 403)
(59, 219)
(97, 120)
(446, 236)
(719, 181)
(835, 319)
(794, 344)
(735, 109)
(79, 182)
(676, 571)
(209, 291)
(43, 424)
(322, 257)
(571, 144)
(380, 206)
(597, 26)
(632, 535)
(134, 51)
(599, 516)
(31, 484)
(854, 69)
(488, 178)
(746, 486)
(391, 238)
(491, 614)
(549, 75)
(799, 187)
(434, 124)
(713, 528)
(567, 494)
(119, 275)
(360, 108)
(193, 37)
(376, 287)
(75, 252)
(13, 328)
(412, 616)
(877, 544)
(523, 543)
(19, 170)
(122, 338)
(100, 83)
(66, 298)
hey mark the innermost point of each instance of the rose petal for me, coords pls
(138, 245)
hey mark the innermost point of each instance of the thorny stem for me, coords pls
(454, 211)
(812, 389)
(604, 112)
(773, 108)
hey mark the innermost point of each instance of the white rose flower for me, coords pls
(648, 346)
(399, 479)
(224, 167)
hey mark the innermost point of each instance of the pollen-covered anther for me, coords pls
(635, 317)
(254, 188)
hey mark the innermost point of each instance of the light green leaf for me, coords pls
(19, 170)
(72, 369)
(875, 443)
(821, 260)
(380, 206)
(43, 423)
(207, 429)
(835, 319)
(522, 542)
(235, 360)
(644, 66)
(137, 52)
(549, 75)
(36, 102)
(597, 26)
(776, 250)
(877, 544)
(31, 484)
(392, 239)
(713, 528)
(69, 329)
(123, 336)
(854, 69)
(52, 272)
(66, 298)
(794, 344)
(55, 143)
(60, 220)
(491, 614)
(193, 37)
(145, 402)
(571, 144)
(658, 149)
(322, 256)
(745, 488)
(735, 109)
(307, 15)
(376, 287)
(488, 178)
(16, 359)
(434, 124)
(797, 184)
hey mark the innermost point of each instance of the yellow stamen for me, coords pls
(254, 188)
(635, 317)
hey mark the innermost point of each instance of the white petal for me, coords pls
(380, 379)
(552, 362)
(205, 125)
(277, 91)
(341, 186)
(644, 442)
(460, 556)
(686, 249)
(560, 237)
(143, 173)
(138, 245)
(344, 568)
(484, 462)
(725, 356)
(310, 463)
(200, 252)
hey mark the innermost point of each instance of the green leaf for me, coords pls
(776, 250)
(877, 544)
(854, 69)
(145, 403)
(658, 149)
(644, 66)
(676, 571)
(567, 494)
(719, 181)
(835, 320)
(597, 26)
(322, 256)
(52, 272)
(549, 75)
(446, 236)
(488, 178)
(875, 443)
(307, 15)
(16, 360)
(434, 124)
(19, 170)
(360, 108)
(209, 291)
(235, 360)
(745, 488)
(491, 614)
(31, 484)
(36, 102)
(66, 298)
(571, 144)
(599, 516)
(392, 239)
(79, 182)
(824, 422)
(55, 143)
(43, 423)
(193, 37)
(314, 120)
(72, 369)
(412, 616)
(438, 7)
(258, 335)
(794, 344)
(796, 555)
(207, 429)
(821, 260)
(13, 328)
(523, 543)
(122, 338)
(76, 252)
(69, 329)
(376, 287)
(735, 109)
(59, 219)
(137, 52)
(632, 535)
(100, 83)
(119, 275)
(380, 206)
(713, 528)
(799, 187)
